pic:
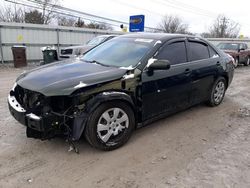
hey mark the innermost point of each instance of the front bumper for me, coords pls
(36, 126)
(30, 120)
(45, 126)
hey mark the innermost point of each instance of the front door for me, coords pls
(167, 91)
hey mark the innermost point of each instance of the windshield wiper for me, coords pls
(97, 62)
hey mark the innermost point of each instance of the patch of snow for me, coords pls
(33, 116)
(144, 40)
(48, 48)
(128, 76)
(127, 68)
(150, 62)
(80, 85)
(157, 42)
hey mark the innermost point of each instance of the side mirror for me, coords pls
(241, 49)
(159, 65)
(155, 64)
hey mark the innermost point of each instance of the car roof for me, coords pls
(106, 36)
(156, 36)
(73, 47)
(84, 45)
(232, 42)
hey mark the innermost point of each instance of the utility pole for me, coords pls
(1, 46)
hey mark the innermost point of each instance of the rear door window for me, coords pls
(198, 51)
(174, 52)
(242, 46)
(245, 46)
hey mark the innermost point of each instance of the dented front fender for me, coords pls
(81, 121)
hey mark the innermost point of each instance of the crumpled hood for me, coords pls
(63, 78)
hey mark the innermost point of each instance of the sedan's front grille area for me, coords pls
(29, 100)
(19, 95)
(66, 51)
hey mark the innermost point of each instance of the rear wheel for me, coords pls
(110, 125)
(247, 62)
(236, 59)
(218, 92)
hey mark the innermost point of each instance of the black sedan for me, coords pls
(123, 84)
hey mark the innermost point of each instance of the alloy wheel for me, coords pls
(248, 61)
(219, 91)
(236, 62)
(112, 123)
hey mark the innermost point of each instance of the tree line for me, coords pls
(45, 14)
(222, 26)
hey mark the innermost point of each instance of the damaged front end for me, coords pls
(46, 117)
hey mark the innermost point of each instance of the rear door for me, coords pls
(167, 91)
(205, 63)
(243, 53)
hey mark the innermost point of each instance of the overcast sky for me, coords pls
(199, 14)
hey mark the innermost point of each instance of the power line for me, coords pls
(192, 9)
(62, 13)
(138, 8)
(188, 6)
(113, 22)
(168, 4)
(88, 14)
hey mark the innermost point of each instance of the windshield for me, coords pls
(120, 52)
(97, 40)
(228, 46)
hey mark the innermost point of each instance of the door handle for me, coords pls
(187, 71)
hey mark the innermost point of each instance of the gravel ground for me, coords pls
(200, 147)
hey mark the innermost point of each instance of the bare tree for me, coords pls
(66, 21)
(103, 26)
(172, 24)
(80, 23)
(34, 16)
(17, 14)
(93, 25)
(223, 27)
(206, 35)
(11, 14)
(48, 7)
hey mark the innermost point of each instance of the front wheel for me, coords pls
(218, 92)
(110, 125)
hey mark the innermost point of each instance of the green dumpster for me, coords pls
(49, 55)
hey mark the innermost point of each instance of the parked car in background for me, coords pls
(238, 50)
(74, 51)
(118, 86)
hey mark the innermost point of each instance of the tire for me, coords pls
(106, 132)
(217, 92)
(236, 59)
(247, 63)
